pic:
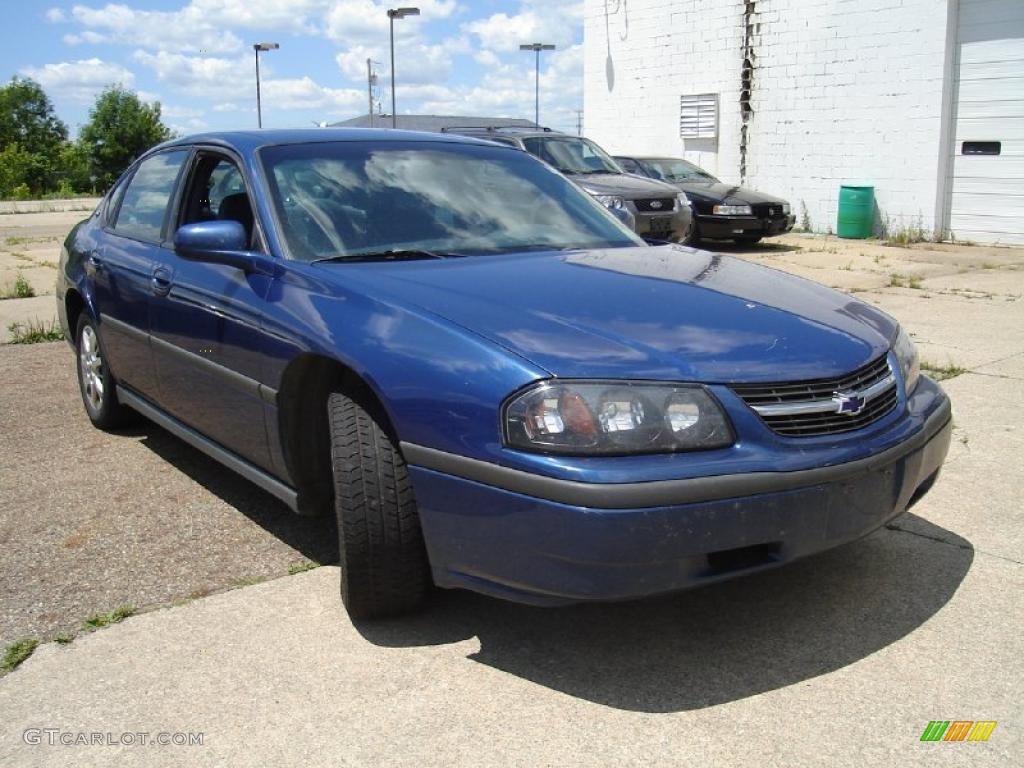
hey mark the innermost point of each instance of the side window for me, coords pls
(115, 200)
(145, 201)
(216, 190)
(225, 180)
(629, 166)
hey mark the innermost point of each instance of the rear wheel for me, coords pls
(95, 382)
(384, 569)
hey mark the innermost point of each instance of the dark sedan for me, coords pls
(720, 211)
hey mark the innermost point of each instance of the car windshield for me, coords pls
(353, 198)
(571, 154)
(677, 170)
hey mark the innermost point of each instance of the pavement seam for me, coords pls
(940, 540)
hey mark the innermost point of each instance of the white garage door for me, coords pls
(988, 162)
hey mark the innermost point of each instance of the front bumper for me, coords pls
(727, 227)
(508, 543)
(670, 225)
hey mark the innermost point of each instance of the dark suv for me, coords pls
(653, 208)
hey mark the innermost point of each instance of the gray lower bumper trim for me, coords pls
(666, 492)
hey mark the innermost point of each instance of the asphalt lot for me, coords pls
(840, 659)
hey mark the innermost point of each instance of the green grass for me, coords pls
(942, 372)
(309, 565)
(896, 280)
(21, 289)
(101, 620)
(64, 638)
(35, 332)
(17, 653)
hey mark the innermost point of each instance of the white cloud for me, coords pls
(55, 16)
(304, 93)
(190, 28)
(200, 76)
(80, 80)
(351, 22)
(415, 62)
(537, 22)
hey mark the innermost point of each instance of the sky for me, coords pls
(195, 57)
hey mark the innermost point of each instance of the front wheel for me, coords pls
(384, 568)
(94, 379)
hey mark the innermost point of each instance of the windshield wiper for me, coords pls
(411, 254)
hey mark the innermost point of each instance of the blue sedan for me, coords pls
(488, 379)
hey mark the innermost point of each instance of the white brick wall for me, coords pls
(845, 91)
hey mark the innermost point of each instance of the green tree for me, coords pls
(73, 171)
(120, 128)
(31, 133)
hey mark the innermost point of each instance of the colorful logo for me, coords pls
(958, 730)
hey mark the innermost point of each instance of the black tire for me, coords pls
(747, 240)
(384, 567)
(95, 382)
(693, 236)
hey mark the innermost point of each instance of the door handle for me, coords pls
(161, 281)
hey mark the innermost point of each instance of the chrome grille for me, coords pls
(767, 210)
(811, 408)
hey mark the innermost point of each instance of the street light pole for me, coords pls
(536, 48)
(257, 47)
(396, 13)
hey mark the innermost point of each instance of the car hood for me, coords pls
(664, 313)
(717, 192)
(624, 185)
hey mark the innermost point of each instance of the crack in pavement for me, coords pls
(940, 540)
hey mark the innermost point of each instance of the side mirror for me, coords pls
(220, 242)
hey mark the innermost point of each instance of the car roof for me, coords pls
(249, 141)
(653, 157)
(509, 131)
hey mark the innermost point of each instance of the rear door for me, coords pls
(122, 267)
(206, 332)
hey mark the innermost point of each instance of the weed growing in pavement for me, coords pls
(17, 652)
(35, 332)
(106, 619)
(942, 372)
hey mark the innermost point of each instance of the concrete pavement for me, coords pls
(841, 659)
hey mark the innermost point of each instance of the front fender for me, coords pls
(441, 385)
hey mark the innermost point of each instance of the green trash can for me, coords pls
(856, 212)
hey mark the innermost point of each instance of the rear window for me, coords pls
(144, 206)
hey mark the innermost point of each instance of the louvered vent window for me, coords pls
(698, 116)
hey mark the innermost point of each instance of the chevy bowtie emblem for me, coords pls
(849, 404)
(655, 204)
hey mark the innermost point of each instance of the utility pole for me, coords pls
(369, 87)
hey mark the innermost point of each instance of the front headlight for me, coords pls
(588, 418)
(610, 201)
(732, 210)
(906, 355)
(785, 209)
